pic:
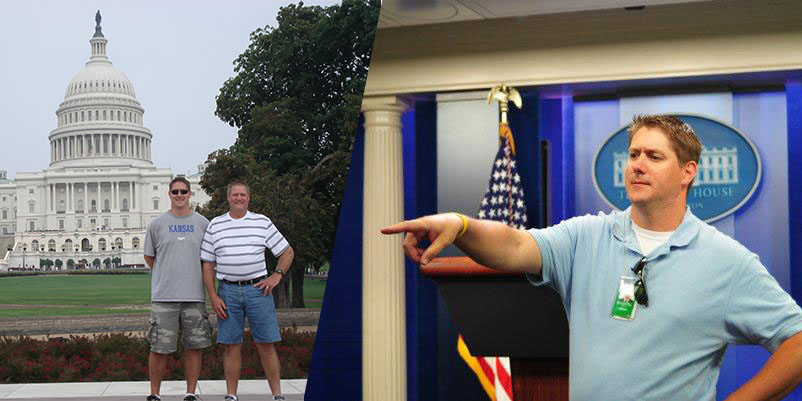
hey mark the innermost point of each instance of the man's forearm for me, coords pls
(285, 260)
(501, 247)
(208, 278)
(779, 376)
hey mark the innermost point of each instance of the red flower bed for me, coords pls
(124, 357)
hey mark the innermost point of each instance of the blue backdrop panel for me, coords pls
(793, 96)
(420, 155)
(762, 116)
(556, 126)
(336, 371)
(595, 122)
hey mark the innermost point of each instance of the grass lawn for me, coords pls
(93, 294)
(78, 290)
(313, 293)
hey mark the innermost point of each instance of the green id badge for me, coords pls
(624, 306)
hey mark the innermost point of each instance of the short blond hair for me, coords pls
(682, 137)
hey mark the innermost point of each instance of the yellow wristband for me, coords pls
(464, 224)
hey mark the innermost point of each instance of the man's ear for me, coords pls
(689, 171)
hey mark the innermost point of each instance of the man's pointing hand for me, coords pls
(441, 230)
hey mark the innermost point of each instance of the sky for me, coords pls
(176, 53)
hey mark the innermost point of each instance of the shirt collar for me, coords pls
(682, 236)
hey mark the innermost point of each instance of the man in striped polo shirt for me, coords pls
(235, 243)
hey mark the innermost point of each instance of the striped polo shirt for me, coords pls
(237, 246)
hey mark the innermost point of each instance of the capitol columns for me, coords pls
(133, 195)
(384, 355)
(86, 197)
(68, 202)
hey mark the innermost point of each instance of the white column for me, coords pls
(69, 192)
(114, 197)
(133, 195)
(86, 196)
(383, 308)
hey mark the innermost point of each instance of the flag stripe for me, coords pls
(487, 367)
(504, 382)
(473, 364)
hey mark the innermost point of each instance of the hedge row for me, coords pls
(124, 357)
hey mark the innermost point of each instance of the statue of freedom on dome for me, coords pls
(98, 17)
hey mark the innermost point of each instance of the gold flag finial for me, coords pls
(504, 94)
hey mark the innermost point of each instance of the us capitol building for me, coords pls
(92, 206)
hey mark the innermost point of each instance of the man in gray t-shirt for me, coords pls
(178, 300)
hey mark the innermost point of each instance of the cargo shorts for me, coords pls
(167, 319)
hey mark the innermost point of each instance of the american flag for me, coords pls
(504, 199)
(504, 202)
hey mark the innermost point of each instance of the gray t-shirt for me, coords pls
(175, 242)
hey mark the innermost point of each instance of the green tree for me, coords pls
(116, 261)
(295, 99)
(70, 263)
(59, 263)
(107, 263)
(96, 263)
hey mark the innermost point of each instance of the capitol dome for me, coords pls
(99, 77)
(100, 119)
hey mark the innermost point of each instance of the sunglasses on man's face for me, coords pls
(641, 296)
(176, 191)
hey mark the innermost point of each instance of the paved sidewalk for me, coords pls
(208, 390)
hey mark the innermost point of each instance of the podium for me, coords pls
(502, 314)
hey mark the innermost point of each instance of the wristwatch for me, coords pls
(279, 271)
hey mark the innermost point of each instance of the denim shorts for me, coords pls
(167, 319)
(246, 301)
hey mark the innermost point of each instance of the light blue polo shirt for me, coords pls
(705, 290)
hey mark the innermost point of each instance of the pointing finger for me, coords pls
(404, 226)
